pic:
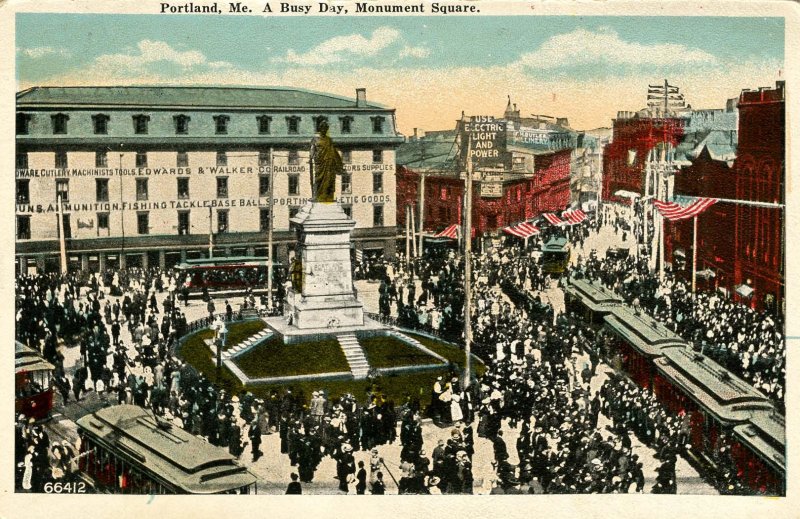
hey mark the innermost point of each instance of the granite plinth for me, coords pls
(292, 334)
(327, 298)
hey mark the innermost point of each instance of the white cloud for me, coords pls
(149, 52)
(39, 52)
(581, 47)
(415, 52)
(336, 49)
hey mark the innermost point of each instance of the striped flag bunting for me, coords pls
(673, 211)
(359, 255)
(522, 230)
(451, 232)
(553, 219)
(573, 216)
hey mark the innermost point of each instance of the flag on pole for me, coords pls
(451, 232)
(673, 211)
(522, 230)
(553, 219)
(573, 216)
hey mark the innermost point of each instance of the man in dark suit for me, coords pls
(255, 439)
(378, 487)
(294, 487)
(361, 478)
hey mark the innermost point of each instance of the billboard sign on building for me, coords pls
(543, 139)
(491, 183)
(483, 139)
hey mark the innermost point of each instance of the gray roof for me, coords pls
(182, 459)
(766, 434)
(424, 154)
(185, 96)
(593, 295)
(641, 331)
(726, 396)
(28, 359)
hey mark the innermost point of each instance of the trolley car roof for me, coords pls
(180, 458)
(594, 296)
(727, 397)
(28, 359)
(644, 333)
(766, 435)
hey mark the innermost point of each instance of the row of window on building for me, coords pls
(183, 224)
(182, 158)
(141, 124)
(182, 192)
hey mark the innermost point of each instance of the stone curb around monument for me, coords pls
(336, 375)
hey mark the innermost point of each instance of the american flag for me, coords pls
(573, 216)
(359, 255)
(673, 211)
(523, 230)
(451, 232)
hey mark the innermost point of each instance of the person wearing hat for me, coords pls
(254, 433)
(433, 485)
(361, 478)
(294, 487)
(345, 466)
(378, 487)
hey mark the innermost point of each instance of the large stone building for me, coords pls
(154, 175)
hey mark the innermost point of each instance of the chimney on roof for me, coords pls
(361, 97)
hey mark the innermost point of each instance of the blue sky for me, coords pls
(551, 63)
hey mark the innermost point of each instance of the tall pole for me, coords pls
(694, 254)
(122, 211)
(408, 237)
(421, 209)
(62, 241)
(269, 231)
(468, 266)
(413, 227)
(210, 233)
(645, 201)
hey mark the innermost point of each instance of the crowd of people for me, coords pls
(745, 341)
(537, 380)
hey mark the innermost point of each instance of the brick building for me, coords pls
(740, 243)
(625, 158)
(532, 177)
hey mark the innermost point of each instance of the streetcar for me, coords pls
(125, 449)
(32, 387)
(718, 405)
(555, 256)
(225, 273)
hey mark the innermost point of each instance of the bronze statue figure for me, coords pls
(327, 164)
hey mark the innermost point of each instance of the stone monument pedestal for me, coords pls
(326, 298)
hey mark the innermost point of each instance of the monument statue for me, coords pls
(327, 164)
